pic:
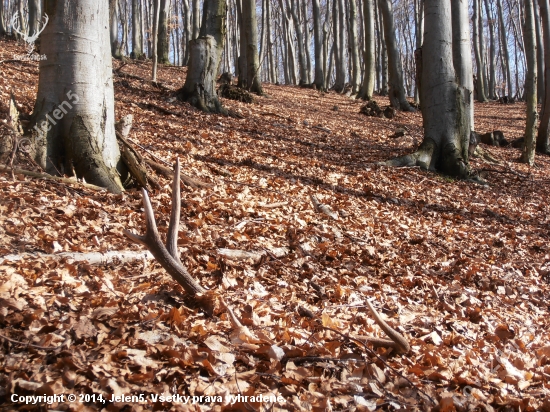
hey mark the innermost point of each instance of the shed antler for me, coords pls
(167, 255)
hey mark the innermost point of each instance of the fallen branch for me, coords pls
(93, 258)
(32, 345)
(169, 174)
(324, 129)
(50, 177)
(235, 254)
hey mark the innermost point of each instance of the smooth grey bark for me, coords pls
(339, 42)
(204, 59)
(395, 80)
(462, 55)
(419, 28)
(186, 18)
(354, 49)
(540, 52)
(480, 73)
(326, 52)
(155, 41)
(543, 137)
(272, 66)
(504, 46)
(2, 27)
(35, 16)
(196, 19)
(307, 40)
(137, 34)
(113, 28)
(492, 51)
(253, 73)
(318, 81)
(367, 88)
(302, 65)
(75, 101)
(446, 133)
(528, 154)
(164, 32)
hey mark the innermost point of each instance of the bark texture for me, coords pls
(528, 154)
(367, 88)
(446, 131)
(74, 110)
(543, 138)
(395, 81)
(204, 59)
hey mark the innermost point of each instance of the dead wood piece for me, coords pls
(274, 115)
(486, 155)
(93, 258)
(272, 205)
(166, 172)
(320, 207)
(324, 129)
(49, 177)
(131, 158)
(234, 254)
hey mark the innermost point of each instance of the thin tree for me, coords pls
(528, 154)
(74, 108)
(354, 49)
(492, 51)
(480, 78)
(543, 137)
(367, 89)
(156, 12)
(318, 80)
(444, 113)
(250, 28)
(164, 32)
(395, 81)
(505, 54)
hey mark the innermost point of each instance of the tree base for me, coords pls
(428, 157)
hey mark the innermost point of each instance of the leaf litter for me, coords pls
(461, 269)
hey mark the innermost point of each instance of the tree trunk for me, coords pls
(156, 12)
(540, 52)
(196, 19)
(272, 60)
(354, 49)
(419, 28)
(307, 40)
(137, 35)
(480, 79)
(2, 27)
(367, 88)
(543, 138)
(395, 81)
(446, 134)
(74, 109)
(186, 17)
(113, 28)
(462, 55)
(293, 7)
(492, 51)
(339, 33)
(318, 46)
(35, 16)
(204, 59)
(164, 32)
(250, 29)
(528, 155)
(504, 45)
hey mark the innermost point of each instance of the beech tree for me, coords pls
(445, 113)
(205, 53)
(367, 87)
(252, 67)
(74, 108)
(528, 154)
(137, 34)
(395, 81)
(543, 137)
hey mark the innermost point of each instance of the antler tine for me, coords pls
(153, 243)
(173, 227)
(15, 23)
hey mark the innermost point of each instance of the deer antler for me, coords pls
(167, 255)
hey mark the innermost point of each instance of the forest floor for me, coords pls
(461, 269)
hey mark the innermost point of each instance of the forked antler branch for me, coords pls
(167, 255)
(29, 39)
